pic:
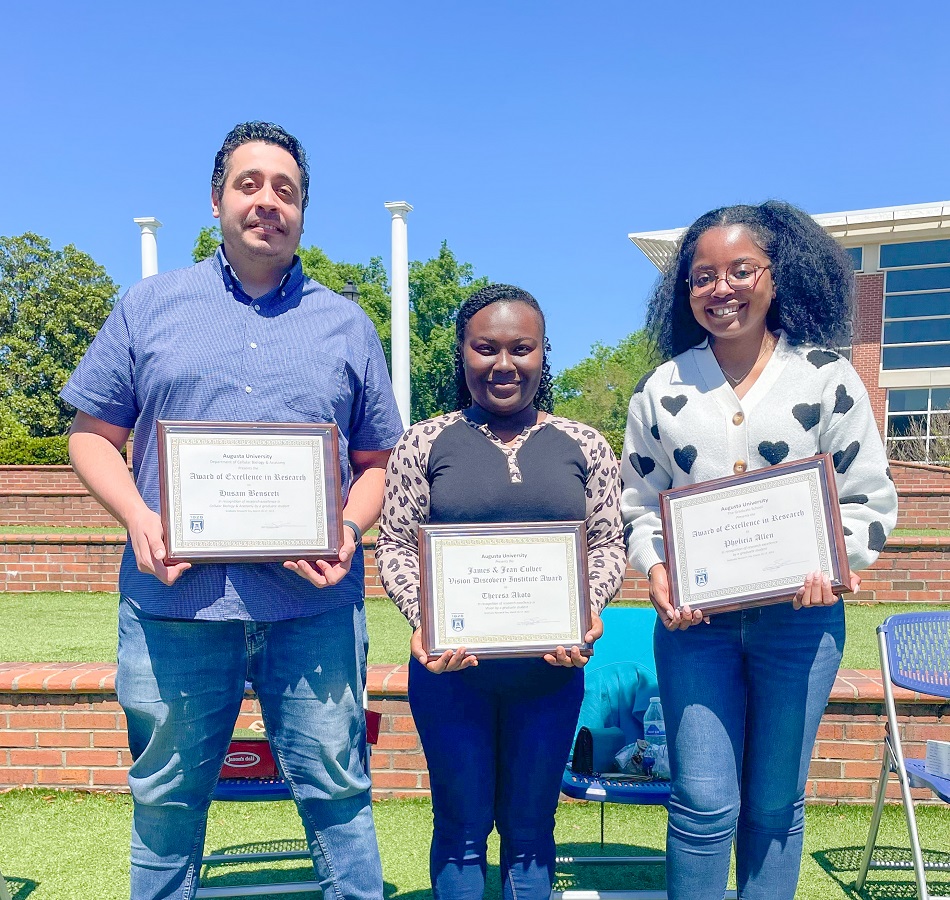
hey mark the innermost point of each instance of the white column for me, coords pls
(149, 226)
(400, 300)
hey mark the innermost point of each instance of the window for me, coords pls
(916, 305)
(918, 424)
(857, 257)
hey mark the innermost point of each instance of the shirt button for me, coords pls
(257, 307)
(247, 390)
(283, 293)
(738, 419)
(253, 345)
(738, 468)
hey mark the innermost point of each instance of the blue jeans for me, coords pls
(181, 684)
(496, 739)
(742, 698)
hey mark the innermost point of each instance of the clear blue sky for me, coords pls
(533, 136)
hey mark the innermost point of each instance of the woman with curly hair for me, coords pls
(747, 313)
(496, 732)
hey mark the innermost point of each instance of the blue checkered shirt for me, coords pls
(192, 345)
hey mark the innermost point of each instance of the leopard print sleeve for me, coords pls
(606, 556)
(405, 508)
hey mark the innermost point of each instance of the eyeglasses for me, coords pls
(739, 276)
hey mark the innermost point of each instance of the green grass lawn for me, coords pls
(72, 846)
(920, 532)
(78, 627)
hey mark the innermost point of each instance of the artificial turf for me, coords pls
(73, 846)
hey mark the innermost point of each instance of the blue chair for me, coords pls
(619, 681)
(915, 654)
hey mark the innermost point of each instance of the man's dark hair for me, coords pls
(813, 276)
(269, 134)
(499, 293)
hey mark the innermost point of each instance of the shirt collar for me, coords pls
(293, 277)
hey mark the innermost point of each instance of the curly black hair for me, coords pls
(269, 134)
(813, 276)
(499, 293)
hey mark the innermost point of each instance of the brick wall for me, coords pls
(910, 568)
(924, 494)
(40, 507)
(60, 562)
(866, 340)
(47, 478)
(60, 725)
(52, 495)
(909, 476)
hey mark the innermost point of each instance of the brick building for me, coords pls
(901, 331)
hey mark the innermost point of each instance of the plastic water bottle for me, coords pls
(654, 728)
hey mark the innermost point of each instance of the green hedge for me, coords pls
(35, 451)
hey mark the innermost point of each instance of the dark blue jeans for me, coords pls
(743, 698)
(181, 684)
(496, 738)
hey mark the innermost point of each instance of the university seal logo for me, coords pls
(197, 524)
(701, 577)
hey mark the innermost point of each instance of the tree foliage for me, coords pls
(206, 243)
(437, 288)
(52, 303)
(597, 390)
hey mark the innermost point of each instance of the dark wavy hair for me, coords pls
(813, 277)
(499, 293)
(269, 134)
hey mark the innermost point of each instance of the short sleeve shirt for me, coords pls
(192, 345)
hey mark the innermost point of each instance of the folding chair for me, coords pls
(915, 654)
(619, 681)
(263, 789)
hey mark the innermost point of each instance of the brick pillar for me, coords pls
(866, 341)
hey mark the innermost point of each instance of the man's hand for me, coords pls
(450, 661)
(148, 543)
(323, 572)
(672, 619)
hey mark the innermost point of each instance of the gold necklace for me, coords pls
(769, 343)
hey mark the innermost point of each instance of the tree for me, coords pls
(437, 288)
(597, 390)
(371, 279)
(206, 243)
(52, 303)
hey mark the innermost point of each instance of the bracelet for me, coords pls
(356, 530)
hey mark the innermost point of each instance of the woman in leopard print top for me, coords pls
(496, 732)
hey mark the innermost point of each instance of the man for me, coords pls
(243, 336)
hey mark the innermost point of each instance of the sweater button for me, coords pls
(738, 419)
(739, 467)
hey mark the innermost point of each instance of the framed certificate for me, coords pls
(504, 590)
(249, 491)
(750, 540)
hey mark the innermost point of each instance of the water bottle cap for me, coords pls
(654, 699)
